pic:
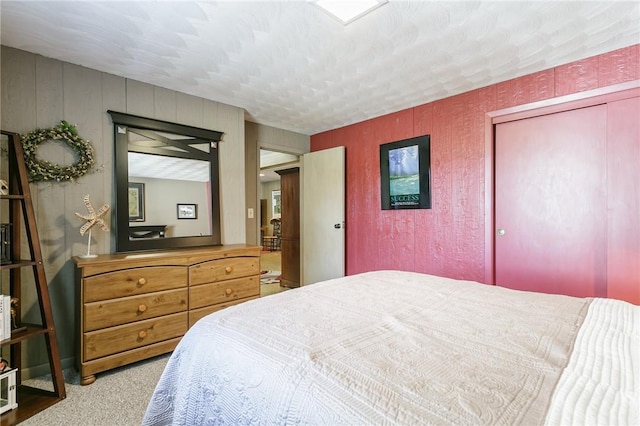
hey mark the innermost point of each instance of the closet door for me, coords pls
(623, 201)
(550, 203)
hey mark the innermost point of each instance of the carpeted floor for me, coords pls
(117, 397)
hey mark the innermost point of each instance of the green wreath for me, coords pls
(41, 170)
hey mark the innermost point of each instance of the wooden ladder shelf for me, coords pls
(30, 400)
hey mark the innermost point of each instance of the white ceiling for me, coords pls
(270, 161)
(292, 66)
(160, 167)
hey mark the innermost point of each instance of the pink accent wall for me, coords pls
(449, 239)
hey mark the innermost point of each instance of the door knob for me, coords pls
(337, 226)
(500, 232)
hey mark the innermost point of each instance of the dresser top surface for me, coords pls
(185, 256)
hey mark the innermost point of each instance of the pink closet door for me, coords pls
(551, 203)
(623, 201)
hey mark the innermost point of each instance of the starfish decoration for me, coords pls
(94, 217)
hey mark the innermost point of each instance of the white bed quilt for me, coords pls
(393, 347)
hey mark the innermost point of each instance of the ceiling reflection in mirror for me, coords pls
(153, 166)
(168, 181)
(170, 190)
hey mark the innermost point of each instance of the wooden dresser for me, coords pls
(134, 306)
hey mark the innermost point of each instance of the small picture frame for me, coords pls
(136, 202)
(187, 211)
(276, 204)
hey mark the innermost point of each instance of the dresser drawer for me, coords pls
(135, 281)
(224, 269)
(225, 291)
(108, 313)
(124, 337)
(196, 314)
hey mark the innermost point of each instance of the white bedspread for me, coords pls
(392, 347)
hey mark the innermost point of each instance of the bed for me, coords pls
(392, 347)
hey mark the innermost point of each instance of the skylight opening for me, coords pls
(348, 11)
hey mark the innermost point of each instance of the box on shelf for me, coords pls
(8, 390)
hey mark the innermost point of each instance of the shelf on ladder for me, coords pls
(30, 400)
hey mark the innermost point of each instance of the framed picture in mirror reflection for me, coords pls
(136, 202)
(187, 211)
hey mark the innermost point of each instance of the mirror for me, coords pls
(167, 189)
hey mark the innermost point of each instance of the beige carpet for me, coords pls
(118, 397)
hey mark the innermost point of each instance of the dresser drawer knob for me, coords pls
(142, 334)
(228, 269)
(142, 308)
(229, 291)
(142, 281)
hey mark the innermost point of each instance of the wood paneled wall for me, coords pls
(38, 92)
(447, 240)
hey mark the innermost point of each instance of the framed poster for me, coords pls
(136, 202)
(405, 174)
(187, 211)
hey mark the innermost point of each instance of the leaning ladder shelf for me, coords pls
(30, 400)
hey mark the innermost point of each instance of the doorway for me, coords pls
(320, 235)
(269, 196)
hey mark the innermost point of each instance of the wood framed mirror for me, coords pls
(159, 165)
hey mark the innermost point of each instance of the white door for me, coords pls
(323, 215)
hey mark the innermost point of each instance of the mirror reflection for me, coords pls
(167, 184)
(168, 196)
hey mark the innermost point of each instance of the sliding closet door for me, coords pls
(623, 201)
(550, 203)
